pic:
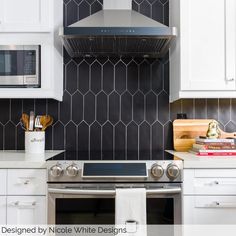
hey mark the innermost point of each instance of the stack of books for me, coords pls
(214, 147)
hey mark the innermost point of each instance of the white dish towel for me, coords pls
(131, 206)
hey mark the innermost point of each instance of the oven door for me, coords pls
(95, 205)
(19, 66)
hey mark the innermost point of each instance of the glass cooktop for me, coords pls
(72, 155)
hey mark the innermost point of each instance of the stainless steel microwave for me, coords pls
(20, 66)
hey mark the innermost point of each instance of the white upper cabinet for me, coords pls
(25, 15)
(202, 61)
(35, 22)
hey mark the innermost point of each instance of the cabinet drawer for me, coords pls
(210, 182)
(209, 210)
(218, 186)
(26, 182)
(26, 210)
(3, 185)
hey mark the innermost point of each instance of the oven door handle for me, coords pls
(110, 192)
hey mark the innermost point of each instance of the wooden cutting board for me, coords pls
(185, 132)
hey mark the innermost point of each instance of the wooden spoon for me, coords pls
(46, 121)
(25, 120)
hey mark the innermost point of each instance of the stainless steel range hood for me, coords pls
(117, 30)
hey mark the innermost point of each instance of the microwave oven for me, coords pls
(20, 66)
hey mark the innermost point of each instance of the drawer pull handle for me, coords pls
(23, 205)
(230, 79)
(25, 180)
(220, 205)
(220, 183)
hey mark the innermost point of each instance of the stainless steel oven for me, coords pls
(95, 203)
(84, 192)
(20, 65)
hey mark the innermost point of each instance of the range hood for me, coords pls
(117, 30)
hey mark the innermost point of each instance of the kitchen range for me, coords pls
(84, 192)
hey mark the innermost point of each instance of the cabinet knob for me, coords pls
(26, 182)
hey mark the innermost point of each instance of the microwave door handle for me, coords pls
(110, 192)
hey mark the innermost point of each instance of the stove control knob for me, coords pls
(56, 171)
(72, 170)
(157, 171)
(172, 171)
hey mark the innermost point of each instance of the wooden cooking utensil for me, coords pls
(25, 121)
(46, 121)
(48, 124)
(185, 132)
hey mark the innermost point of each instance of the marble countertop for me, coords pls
(20, 159)
(192, 161)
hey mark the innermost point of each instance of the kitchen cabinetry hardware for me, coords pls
(229, 79)
(24, 204)
(25, 180)
(221, 183)
(220, 205)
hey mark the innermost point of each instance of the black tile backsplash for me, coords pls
(119, 105)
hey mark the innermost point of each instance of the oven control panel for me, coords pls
(115, 171)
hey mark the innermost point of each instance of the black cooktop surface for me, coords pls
(73, 156)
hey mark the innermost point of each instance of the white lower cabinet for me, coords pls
(3, 210)
(209, 210)
(209, 196)
(23, 196)
(26, 210)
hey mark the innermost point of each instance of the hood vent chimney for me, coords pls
(117, 30)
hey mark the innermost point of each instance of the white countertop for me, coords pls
(20, 159)
(192, 161)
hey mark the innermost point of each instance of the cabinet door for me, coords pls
(26, 210)
(3, 210)
(208, 45)
(25, 15)
(209, 210)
